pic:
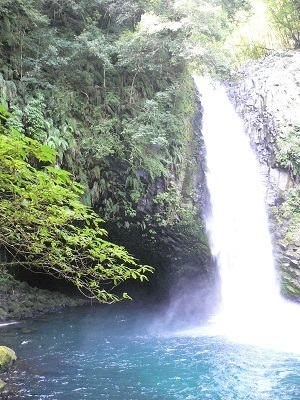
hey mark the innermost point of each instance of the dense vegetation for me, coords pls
(46, 227)
(106, 85)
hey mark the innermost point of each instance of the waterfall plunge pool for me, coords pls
(120, 352)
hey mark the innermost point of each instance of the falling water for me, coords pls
(252, 309)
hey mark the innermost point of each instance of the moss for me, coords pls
(7, 358)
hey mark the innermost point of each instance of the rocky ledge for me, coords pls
(19, 300)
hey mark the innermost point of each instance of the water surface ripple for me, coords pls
(119, 353)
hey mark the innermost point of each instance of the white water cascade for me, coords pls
(252, 309)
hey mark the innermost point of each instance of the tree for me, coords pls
(45, 227)
(285, 15)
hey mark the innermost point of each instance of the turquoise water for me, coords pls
(121, 353)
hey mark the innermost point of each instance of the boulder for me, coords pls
(7, 358)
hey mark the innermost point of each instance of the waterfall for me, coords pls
(252, 309)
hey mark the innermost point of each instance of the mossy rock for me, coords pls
(7, 358)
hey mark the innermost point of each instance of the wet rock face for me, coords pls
(266, 94)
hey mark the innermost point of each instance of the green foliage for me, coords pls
(15, 120)
(34, 117)
(288, 155)
(183, 220)
(287, 220)
(234, 7)
(106, 85)
(45, 226)
(59, 140)
(206, 25)
(285, 15)
(18, 18)
(287, 216)
(6, 278)
(250, 49)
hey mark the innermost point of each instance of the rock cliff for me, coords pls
(266, 94)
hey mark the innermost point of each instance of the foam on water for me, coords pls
(8, 323)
